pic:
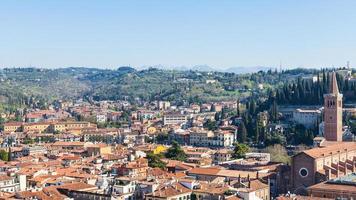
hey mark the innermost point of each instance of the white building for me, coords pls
(164, 105)
(222, 155)
(125, 188)
(308, 118)
(12, 184)
(205, 138)
(101, 118)
(224, 139)
(201, 137)
(175, 118)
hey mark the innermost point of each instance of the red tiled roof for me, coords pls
(332, 149)
(79, 186)
(170, 191)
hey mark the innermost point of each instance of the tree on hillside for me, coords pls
(278, 154)
(175, 152)
(303, 135)
(238, 108)
(274, 111)
(257, 132)
(9, 155)
(162, 138)
(4, 155)
(240, 150)
(353, 127)
(154, 160)
(210, 125)
(242, 133)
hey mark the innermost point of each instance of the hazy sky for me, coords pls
(299, 33)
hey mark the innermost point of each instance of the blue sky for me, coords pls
(299, 33)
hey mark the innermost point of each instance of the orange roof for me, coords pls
(225, 172)
(329, 150)
(170, 191)
(99, 145)
(68, 144)
(13, 124)
(330, 187)
(79, 186)
(211, 188)
(38, 123)
(256, 185)
(297, 197)
(205, 171)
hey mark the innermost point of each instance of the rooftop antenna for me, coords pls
(348, 65)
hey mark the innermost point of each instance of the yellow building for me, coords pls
(47, 127)
(38, 127)
(98, 149)
(13, 127)
(159, 149)
(59, 127)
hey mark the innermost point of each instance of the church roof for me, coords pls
(331, 149)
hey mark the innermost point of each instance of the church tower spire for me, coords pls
(333, 112)
(333, 84)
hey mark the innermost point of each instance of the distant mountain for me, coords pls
(207, 68)
(126, 69)
(202, 68)
(244, 70)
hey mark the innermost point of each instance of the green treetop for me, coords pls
(175, 152)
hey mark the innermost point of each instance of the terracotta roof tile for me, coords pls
(332, 149)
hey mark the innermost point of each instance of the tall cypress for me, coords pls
(242, 133)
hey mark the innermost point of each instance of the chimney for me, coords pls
(345, 166)
(257, 175)
(239, 179)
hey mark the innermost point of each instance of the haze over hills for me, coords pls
(207, 68)
(236, 69)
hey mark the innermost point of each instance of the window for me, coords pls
(303, 172)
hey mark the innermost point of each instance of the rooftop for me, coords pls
(342, 184)
(332, 149)
(344, 180)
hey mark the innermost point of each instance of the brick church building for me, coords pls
(332, 158)
(333, 112)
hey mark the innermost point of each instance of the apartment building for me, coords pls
(174, 118)
(205, 138)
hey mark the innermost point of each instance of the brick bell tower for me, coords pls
(333, 112)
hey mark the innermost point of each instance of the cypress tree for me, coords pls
(242, 133)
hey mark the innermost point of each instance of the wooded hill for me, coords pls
(38, 87)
